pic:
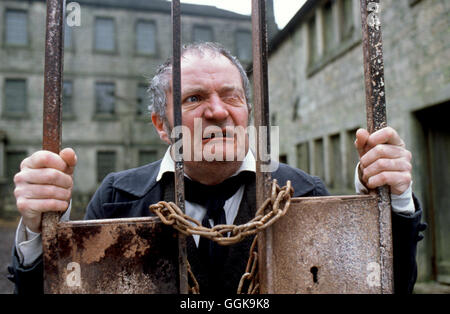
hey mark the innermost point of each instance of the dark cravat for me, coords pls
(213, 198)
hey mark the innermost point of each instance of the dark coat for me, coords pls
(129, 193)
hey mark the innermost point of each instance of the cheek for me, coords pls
(240, 116)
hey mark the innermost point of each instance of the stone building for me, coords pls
(108, 60)
(317, 97)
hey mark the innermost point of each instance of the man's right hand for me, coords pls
(44, 183)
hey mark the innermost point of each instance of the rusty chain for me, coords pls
(251, 271)
(171, 214)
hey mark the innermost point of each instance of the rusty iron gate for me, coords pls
(335, 244)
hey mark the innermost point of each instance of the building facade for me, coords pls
(317, 97)
(108, 60)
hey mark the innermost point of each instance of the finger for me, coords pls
(398, 181)
(37, 191)
(25, 206)
(384, 151)
(385, 135)
(46, 176)
(44, 159)
(361, 140)
(385, 164)
(69, 156)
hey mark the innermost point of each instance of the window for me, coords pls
(147, 156)
(106, 163)
(67, 97)
(303, 156)
(312, 40)
(346, 19)
(145, 37)
(16, 33)
(328, 27)
(13, 160)
(15, 96)
(244, 45)
(105, 99)
(319, 164)
(203, 33)
(105, 34)
(142, 104)
(336, 179)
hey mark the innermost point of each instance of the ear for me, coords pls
(158, 123)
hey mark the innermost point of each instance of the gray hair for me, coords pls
(160, 84)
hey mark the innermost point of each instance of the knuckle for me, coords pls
(50, 175)
(68, 194)
(17, 178)
(408, 166)
(382, 164)
(408, 177)
(21, 204)
(379, 149)
(17, 192)
(408, 155)
(383, 177)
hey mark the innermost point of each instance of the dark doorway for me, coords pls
(436, 130)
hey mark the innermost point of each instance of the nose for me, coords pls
(216, 109)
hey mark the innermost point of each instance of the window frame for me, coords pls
(97, 172)
(27, 29)
(99, 115)
(104, 51)
(141, 53)
(236, 32)
(15, 115)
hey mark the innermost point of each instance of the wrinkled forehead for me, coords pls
(195, 56)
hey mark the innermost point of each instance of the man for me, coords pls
(215, 91)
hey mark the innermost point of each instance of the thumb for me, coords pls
(69, 156)
(362, 137)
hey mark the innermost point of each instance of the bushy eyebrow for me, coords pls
(230, 88)
(202, 91)
(194, 90)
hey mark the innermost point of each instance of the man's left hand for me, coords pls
(384, 160)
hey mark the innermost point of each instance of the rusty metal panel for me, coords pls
(329, 245)
(130, 255)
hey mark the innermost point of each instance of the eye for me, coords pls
(191, 99)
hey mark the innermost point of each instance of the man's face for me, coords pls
(213, 103)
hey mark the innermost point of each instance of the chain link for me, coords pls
(171, 214)
(251, 271)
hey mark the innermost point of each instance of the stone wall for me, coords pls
(313, 104)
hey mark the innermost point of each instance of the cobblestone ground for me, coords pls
(7, 232)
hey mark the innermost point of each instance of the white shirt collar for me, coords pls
(167, 164)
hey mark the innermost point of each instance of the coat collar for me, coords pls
(137, 181)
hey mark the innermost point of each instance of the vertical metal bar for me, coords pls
(54, 60)
(261, 116)
(179, 165)
(376, 119)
